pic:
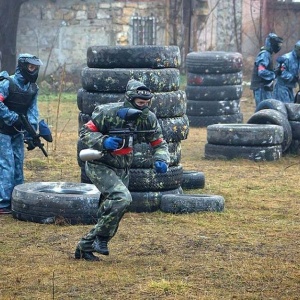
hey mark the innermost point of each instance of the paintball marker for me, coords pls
(127, 133)
(33, 139)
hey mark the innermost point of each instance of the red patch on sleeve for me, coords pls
(1, 98)
(261, 68)
(156, 142)
(91, 126)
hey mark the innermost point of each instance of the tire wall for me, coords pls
(104, 81)
(214, 87)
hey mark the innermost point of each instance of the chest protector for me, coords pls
(257, 81)
(18, 101)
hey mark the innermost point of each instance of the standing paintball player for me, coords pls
(263, 75)
(110, 173)
(289, 75)
(18, 95)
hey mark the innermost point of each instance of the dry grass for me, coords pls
(250, 251)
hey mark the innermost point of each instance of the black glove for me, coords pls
(30, 144)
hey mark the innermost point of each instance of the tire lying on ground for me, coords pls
(256, 153)
(245, 134)
(192, 180)
(54, 202)
(272, 116)
(188, 203)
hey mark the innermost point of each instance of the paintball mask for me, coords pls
(136, 89)
(275, 41)
(29, 66)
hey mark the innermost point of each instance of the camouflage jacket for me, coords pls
(104, 119)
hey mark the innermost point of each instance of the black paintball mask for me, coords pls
(136, 89)
(29, 73)
(276, 42)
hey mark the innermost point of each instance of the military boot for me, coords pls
(100, 245)
(79, 254)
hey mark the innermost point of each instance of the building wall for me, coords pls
(60, 31)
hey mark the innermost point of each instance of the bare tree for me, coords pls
(9, 18)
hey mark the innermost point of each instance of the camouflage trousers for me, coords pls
(11, 166)
(115, 198)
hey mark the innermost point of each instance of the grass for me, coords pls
(249, 251)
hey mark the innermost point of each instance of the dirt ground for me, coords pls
(249, 251)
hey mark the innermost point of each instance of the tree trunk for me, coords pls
(9, 17)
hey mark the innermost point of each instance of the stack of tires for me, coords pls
(104, 81)
(214, 87)
(265, 137)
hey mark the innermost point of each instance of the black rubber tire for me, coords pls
(272, 104)
(294, 148)
(149, 201)
(164, 105)
(212, 108)
(192, 180)
(272, 116)
(188, 203)
(55, 202)
(245, 134)
(115, 80)
(293, 111)
(214, 79)
(149, 180)
(216, 62)
(155, 57)
(203, 121)
(87, 101)
(255, 153)
(295, 130)
(213, 93)
(174, 129)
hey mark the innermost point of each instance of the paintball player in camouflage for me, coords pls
(289, 75)
(110, 173)
(263, 75)
(18, 95)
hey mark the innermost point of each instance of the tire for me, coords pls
(54, 202)
(212, 108)
(215, 62)
(213, 93)
(255, 153)
(295, 130)
(272, 116)
(149, 180)
(115, 80)
(174, 129)
(293, 111)
(209, 79)
(188, 203)
(149, 201)
(203, 121)
(193, 180)
(164, 105)
(155, 57)
(245, 134)
(87, 101)
(272, 104)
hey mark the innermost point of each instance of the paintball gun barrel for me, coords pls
(36, 141)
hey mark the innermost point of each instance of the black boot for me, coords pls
(79, 254)
(100, 245)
